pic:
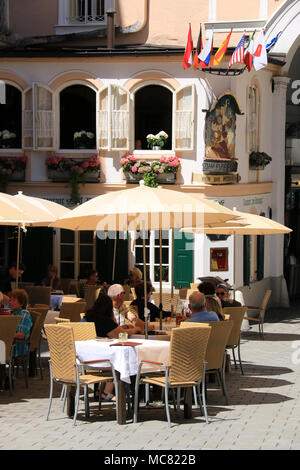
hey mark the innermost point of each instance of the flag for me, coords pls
(260, 58)
(238, 55)
(198, 50)
(205, 54)
(272, 42)
(248, 53)
(221, 51)
(188, 55)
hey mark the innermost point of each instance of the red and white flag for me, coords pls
(238, 55)
(188, 55)
(248, 53)
(260, 57)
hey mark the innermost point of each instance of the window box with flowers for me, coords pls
(162, 171)
(259, 160)
(12, 169)
(74, 172)
(7, 139)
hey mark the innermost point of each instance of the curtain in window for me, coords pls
(44, 129)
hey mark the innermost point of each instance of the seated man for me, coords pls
(198, 309)
(140, 302)
(223, 295)
(9, 276)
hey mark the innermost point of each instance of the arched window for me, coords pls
(11, 118)
(77, 114)
(153, 113)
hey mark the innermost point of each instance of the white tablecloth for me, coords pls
(125, 359)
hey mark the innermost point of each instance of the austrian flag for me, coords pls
(188, 55)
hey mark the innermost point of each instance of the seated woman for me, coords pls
(140, 303)
(3, 298)
(223, 294)
(18, 305)
(212, 305)
(103, 317)
(51, 280)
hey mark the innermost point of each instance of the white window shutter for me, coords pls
(252, 119)
(119, 118)
(43, 111)
(27, 119)
(103, 118)
(183, 118)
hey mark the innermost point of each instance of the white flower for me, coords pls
(76, 135)
(12, 135)
(163, 134)
(90, 135)
(150, 136)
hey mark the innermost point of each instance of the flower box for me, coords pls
(166, 178)
(132, 177)
(17, 175)
(65, 176)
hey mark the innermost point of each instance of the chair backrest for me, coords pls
(218, 340)
(264, 303)
(128, 294)
(8, 327)
(236, 315)
(72, 311)
(71, 300)
(91, 294)
(62, 352)
(35, 306)
(187, 353)
(82, 331)
(194, 285)
(62, 320)
(38, 294)
(65, 285)
(189, 292)
(36, 329)
(167, 300)
(133, 292)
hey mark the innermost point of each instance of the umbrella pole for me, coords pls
(145, 284)
(160, 280)
(172, 275)
(18, 255)
(114, 258)
(234, 251)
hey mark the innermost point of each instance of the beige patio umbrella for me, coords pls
(250, 224)
(22, 211)
(144, 208)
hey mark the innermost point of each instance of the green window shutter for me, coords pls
(246, 260)
(183, 260)
(260, 257)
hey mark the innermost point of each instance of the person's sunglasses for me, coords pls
(220, 293)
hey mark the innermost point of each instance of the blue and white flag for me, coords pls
(272, 42)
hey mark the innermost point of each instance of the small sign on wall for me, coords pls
(219, 259)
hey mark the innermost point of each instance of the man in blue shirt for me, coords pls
(198, 309)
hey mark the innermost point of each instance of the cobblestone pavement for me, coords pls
(263, 410)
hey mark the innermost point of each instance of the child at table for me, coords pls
(18, 305)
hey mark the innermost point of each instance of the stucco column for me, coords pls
(278, 177)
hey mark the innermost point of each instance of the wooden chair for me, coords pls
(236, 315)
(186, 366)
(91, 295)
(64, 368)
(261, 313)
(216, 348)
(72, 311)
(38, 294)
(167, 301)
(8, 327)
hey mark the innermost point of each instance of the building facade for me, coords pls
(66, 67)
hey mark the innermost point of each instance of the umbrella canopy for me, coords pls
(144, 207)
(250, 224)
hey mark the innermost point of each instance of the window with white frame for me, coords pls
(10, 117)
(83, 12)
(252, 119)
(77, 254)
(152, 244)
(77, 113)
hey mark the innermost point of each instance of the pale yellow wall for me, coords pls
(161, 22)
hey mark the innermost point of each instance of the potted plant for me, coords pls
(7, 139)
(259, 160)
(157, 142)
(84, 140)
(160, 171)
(74, 171)
(12, 169)
(166, 169)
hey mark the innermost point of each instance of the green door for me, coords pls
(183, 259)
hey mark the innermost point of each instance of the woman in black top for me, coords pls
(103, 317)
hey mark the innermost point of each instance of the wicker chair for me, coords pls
(38, 294)
(37, 306)
(133, 293)
(216, 348)
(236, 315)
(167, 301)
(62, 320)
(65, 370)
(36, 338)
(194, 285)
(82, 331)
(186, 367)
(91, 294)
(8, 327)
(72, 311)
(261, 313)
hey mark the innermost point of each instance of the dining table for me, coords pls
(125, 359)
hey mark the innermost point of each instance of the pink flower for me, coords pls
(134, 169)
(86, 164)
(131, 158)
